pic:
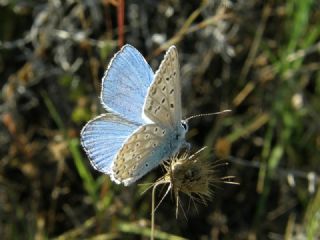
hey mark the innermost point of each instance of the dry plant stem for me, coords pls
(249, 61)
(252, 127)
(153, 207)
(187, 29)
(287, 173)
(184, 29)
(221, 15)
(301, 53)
(120, 19)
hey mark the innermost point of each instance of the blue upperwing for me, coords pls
(125, 84)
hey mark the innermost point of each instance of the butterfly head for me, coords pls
(183, 129)
(184, 125)
(181, 132)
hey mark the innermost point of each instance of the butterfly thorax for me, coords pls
(182, 129)
(177, 138)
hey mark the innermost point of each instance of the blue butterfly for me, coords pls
(144, 125)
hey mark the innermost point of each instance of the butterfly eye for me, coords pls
(184, 125)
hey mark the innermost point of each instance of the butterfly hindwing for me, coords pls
(145, 149)
(103, 137)
(125, 84)
(163, 102)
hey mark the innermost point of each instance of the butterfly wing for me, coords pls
(103, 137)
(163, 102)
(125, 84)
(145, 149)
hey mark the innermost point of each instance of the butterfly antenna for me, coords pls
(208, 114)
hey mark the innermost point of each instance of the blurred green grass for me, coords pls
(260, 59)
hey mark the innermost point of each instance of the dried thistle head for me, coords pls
(194, 175)
(190, 174)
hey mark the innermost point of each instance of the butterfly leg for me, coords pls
(187, 146)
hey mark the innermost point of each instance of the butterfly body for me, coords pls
(144, 126)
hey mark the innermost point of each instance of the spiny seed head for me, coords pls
(193, 175)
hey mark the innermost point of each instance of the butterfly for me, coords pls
(143, 126)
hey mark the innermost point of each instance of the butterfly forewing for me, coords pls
(125, 84)
(163, 102)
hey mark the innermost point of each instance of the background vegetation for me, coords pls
(258, 58)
